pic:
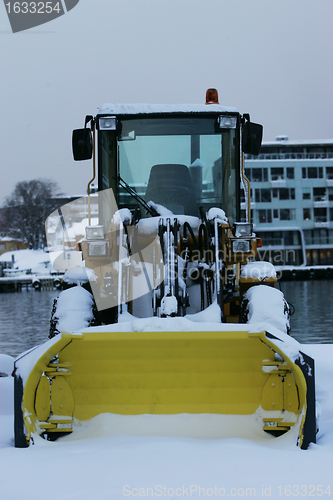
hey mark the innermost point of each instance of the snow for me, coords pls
(169, 305)
(93, 463)
(116, 456)
(74, 309)
(122, 215)
(161, 209)
(79, 275)
(28, 362)
(153, 222)
(198, 163)
(207, 320)
(36, 260)
(134, 109)
(217, 213)
(6, 365)
(266, 305)
(258, 269)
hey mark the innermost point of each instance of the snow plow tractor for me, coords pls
(165, 314)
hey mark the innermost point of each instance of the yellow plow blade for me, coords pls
(131, 373)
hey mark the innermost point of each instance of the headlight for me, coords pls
(97, 248)
(108, 123)
(226, 121)
(241, 246)
(241, 229)
(94, 232)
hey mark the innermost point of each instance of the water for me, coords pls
(25, 316)
(24, 319)
(312, 322)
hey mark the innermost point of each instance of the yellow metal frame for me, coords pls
(218, 372)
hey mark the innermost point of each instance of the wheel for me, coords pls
(72, 310)
(265, 304)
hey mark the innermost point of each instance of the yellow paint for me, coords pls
(165, 373)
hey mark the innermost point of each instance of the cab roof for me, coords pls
(138, 109)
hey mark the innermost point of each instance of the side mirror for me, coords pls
(252, 137)
(82, 144)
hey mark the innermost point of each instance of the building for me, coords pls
(7, 244)
(292, 201)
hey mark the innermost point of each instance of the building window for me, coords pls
(256, 174)
(331, 214)
(290, 173)
(243, 215)
(259, 175)
(319, 194)
(284, 194)
(308, 236)
(275, 213)
(285, 214)
(266, 196)
(324, 257)
(320, 236)
(307, 213)
(257, 195)
(277, 173)
(329, 172)
(330, 193)
(275, 193)
(306, 194)
(320, 214)
(312, 172)
(248, 173)
(287, 194)
(265, 216)
(263, 196)
(242, 195)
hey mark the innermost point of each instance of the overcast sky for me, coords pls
(272, 59)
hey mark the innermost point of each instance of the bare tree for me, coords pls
(27, 208)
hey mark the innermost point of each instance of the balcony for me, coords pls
(291, 156)
(320, 202)
(321, 221)
(278, 183)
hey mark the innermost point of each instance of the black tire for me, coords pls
(247, 303)
(94, 316)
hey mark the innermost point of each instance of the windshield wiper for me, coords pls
(137, 197)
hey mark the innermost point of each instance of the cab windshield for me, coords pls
(179, 163)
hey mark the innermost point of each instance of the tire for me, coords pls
(276, 311)
(72, 310)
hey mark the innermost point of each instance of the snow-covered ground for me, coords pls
(94, 463)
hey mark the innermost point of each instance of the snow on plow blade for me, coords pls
(232, 374)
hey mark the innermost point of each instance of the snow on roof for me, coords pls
(135, 109)
(287, 142)
(26, 259)
(9, 238)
